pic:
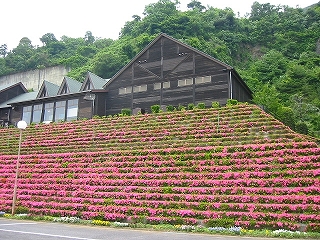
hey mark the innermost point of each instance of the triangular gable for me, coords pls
(48, 89)
(42, 91)
(4, 88)
(93, 81)
(169, 67)
(10, 91)
(87, 85)
(68, 86)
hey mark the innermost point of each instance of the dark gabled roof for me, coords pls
(6, 87)
(50, 89)
(172, 39)
(96, 81)
(21, 98)
(72, 85)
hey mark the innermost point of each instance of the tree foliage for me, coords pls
(274, 48)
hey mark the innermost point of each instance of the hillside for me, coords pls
(275, 49)
(234, 165)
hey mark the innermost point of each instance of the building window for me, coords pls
(26, 114)
(48, 112)
(125, 90)
(166, 84)
(185, 82)
(37, 112)
(206, 79)
(72, 112)
(141, 88)
(60, 112)
(157, 86)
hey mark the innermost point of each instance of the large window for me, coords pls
(206, 79)
(60, 113)
(37, 112)
(125, 90)
(141, 88)
(185, 82)
(26, 114)
(157, 86)
(72, 112)
(48, 112)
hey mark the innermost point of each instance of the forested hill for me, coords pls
(276, 50)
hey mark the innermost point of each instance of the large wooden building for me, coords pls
(166, 72)
(169, 72)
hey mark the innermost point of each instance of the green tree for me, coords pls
(3, 67)
(268, 98)
(259, 11)
(89, 38)
(271, 67)
(55, 49)
(156, 13)
(286, 116)
(103, 43)
(131, 27)
(303, 110)
(3, 50)
(106, 64)
(18, 58)
(87, 51)
(48, 38)
(196, 5)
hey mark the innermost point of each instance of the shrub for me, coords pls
(220, 222)
(190, 106)
(170, 108)
(231, 102)
(215, 104)
(201, 106)
(181, 108)
(125, 112)
(21, 210)
(155, 108)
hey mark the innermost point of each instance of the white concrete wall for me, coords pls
(33, 79)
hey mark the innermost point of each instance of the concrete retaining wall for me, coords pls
(33, 79)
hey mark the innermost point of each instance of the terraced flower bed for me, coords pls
(233, 166)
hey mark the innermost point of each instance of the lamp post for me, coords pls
(21, 125)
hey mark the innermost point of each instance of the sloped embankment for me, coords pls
(228, 166)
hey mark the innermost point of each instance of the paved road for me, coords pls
(30, 230)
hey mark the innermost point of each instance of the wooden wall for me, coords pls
(16, 115)
(4, 112)
(84, 108)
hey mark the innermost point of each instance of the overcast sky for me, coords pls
(104, 18)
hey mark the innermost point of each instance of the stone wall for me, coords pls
(33, 79)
